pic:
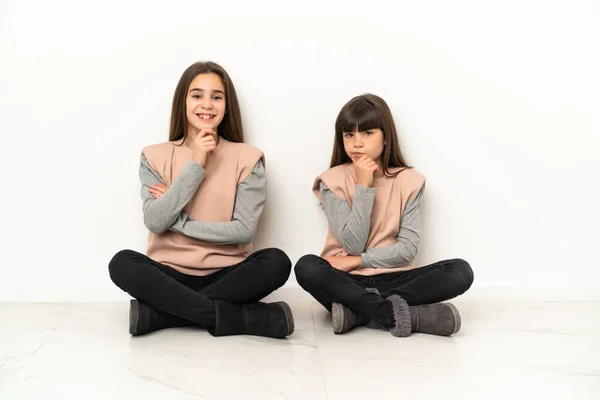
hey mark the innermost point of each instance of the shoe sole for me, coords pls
(457, 320)
(134, 313)
(289, 317)
(337, 317)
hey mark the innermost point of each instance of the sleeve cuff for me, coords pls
(195, 169)
(364, 261)
(364, 190)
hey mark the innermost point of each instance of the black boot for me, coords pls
(260, 319)
(145, 319)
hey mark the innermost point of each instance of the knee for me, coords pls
(464, 274)
(280, 264)
(119, 266)
(308, 268)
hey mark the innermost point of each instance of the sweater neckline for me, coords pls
(222, 144)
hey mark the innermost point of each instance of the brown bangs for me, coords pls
(361, 116)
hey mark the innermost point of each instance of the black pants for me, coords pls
(192, 297)
(437, 282)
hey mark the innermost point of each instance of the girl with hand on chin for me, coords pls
(371, 198)
(203, 192)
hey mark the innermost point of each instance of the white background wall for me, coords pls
(497, 103)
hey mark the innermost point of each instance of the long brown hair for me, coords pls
(230, 127)
(363, 113)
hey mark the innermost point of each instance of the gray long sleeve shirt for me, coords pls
(351, 227)
(165, 213)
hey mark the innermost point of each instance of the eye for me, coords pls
(217, 97)
(368, 133)
(196, 96)
(348, 135)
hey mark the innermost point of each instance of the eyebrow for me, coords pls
(202, 90)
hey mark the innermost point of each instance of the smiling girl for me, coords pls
(203, 192)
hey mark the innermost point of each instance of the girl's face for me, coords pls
(369, 143)
(205, 103)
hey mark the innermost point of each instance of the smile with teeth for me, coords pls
(205, 117)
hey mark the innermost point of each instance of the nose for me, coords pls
(207, 104)
(358, 140)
